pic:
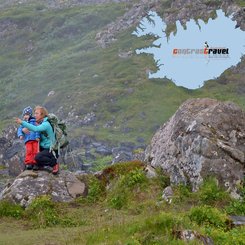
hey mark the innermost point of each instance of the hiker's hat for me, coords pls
(27, 111)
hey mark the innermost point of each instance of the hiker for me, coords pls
(30, 138)
(45, 159)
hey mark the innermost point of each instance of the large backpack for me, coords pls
(60, 133)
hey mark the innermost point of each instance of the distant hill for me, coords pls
(50, 54)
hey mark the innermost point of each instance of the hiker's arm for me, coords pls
(38, 135)
(19, 131)
(25, 130)
(40, 128)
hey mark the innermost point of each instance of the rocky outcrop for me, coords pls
(184, 10)
(132, 17)
(190, 235)
(29, 184)
(180, 10)
(203, 138)
(12, 151)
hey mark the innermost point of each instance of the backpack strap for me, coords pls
(51, 146)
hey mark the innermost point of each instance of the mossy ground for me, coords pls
(129, 211)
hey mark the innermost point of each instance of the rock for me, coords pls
(29, 185)
(89, 156)
(125, 54)
(51, 93)
(140, 139)
(180, 10)
(86, 166)
(203, 138)
(189, 235)
(88, 119)
(150, 172)
(103, 150)
(122, 157)
(238, 220)
(117, 150)
(167, 194)
(139, 155)
(72, 160)
(12, 151)
(129, 145)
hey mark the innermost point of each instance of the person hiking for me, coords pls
(30, 138)
(45, 159)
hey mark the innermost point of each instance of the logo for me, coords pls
(206, 52)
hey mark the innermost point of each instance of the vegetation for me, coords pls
(124, 207)
(57, 50)
(44, 49)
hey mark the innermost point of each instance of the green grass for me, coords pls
(128, 211)
(240, 3)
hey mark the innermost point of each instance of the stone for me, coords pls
(168, 194)
(203, 138)
(12, 151)
(29, 185)
(150, 172)
(237, 220)
(122, 156)
(103, 150)
(189, 235)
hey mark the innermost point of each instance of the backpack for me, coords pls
(60, 133)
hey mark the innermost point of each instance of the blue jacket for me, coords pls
(47, 134)
(31, 135)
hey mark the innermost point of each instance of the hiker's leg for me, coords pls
(28, 156)
(35, 150)
(45, 158)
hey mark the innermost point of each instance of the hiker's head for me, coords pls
(27, 111)
(26, 117)
(40, 113)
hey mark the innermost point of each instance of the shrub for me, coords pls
(95, 190)
(158, 229)
(206, 215)
(101, 163)
(134, 178)
(236, 207)
(162, 178)
(118, 200)
(120, 169)
(234, 236)
(210, 192)
(123, 187)
(164, 222)
(8, 209)
(181, 193)
(43, 212)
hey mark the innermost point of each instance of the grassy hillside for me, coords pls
(129, 210)
(43, 49)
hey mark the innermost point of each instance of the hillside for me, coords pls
(50, 55)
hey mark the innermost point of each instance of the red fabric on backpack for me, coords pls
(32, 148)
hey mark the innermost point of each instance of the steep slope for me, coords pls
(49, 55)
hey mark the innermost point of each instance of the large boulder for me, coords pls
(203, 138)
(12, 151)
(29, 184)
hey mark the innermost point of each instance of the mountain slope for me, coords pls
(49, 56)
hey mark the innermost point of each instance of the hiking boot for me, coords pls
(28, 167)
(35, 168)
(47, 168)
(55, 169)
